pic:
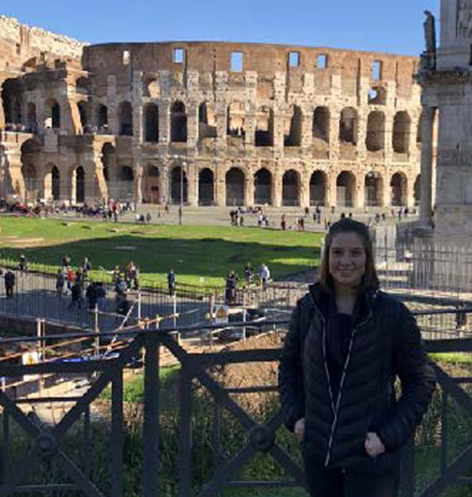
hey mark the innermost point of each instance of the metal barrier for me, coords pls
(28, 443)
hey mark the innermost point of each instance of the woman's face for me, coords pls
(347, 259)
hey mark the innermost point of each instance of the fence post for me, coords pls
(151, 415)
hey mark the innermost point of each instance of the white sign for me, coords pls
(220, 313)
(28, 359)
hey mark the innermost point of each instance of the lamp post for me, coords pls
(181, 208)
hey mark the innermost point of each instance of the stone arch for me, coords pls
(375, 137)
(151, 123)
(124, 185)
(348, 126)
(417, 190)
(235, 182)
(399, 189)
(11, 100)
(264, 127)
(207, 120)
(263, 187)
(373, 190)
(236, 120)
(31, 117)
(178, 122)
(102, 117)
(52, 183)
(125, 118)
(291, 188)
(83, 86)
(346, 189)
(53, 114)
(56, 184)
(79, 184)
(206, 187)
(318, 187)
(320, 129)
(178, 185)
(82, 107)
(151, 87)
(377, 95)
(152, 184)
(30, 180)
(401, 132)
(293, 127)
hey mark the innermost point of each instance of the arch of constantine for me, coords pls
(210, 123)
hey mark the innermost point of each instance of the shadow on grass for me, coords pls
(190, 258)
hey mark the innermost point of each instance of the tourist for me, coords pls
(91, 295)
(283, 222)
(86, 267)
(22, 264)
(101, 296)
(347, 342)
(230, 288)
(60, 282)
(171, 283)
(264, 275)
(9, 283)
(248, 271)
(76, 296)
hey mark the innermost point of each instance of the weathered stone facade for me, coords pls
(216, 124)
(447, 94)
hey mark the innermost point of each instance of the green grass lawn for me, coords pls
(200, 255)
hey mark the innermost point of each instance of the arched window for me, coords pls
(401, 132)
(375, 139)
(291, 188)
(263, 187)
(125, 119)
(206, 187)
(293, 127)
(264, 127)
(151, 123)
(178, 119)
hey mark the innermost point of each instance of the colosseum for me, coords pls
(206, 123)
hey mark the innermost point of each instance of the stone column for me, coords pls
(331, 193)
(277, 187)
(387, 190)
(427, 165)
(138, 183)
(164, 183)
(305, 189)
(249, 188)
(113, 127)
(192, 125)
(335, 116)
(359, 194)
(192, 184)
(164, 122)
(220, 185)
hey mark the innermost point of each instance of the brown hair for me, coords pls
(370, 280)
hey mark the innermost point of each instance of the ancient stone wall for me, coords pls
(19, 43)
(224, 124)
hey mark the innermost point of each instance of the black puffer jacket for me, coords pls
(385, 343)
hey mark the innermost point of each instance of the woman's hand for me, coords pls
(300, 429)
(373, 445)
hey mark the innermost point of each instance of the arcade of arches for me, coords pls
(160, 185)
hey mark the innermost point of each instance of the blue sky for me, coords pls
(378, 25)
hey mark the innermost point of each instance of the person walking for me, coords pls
(171, 283)
(230, 288)
(264, 275)
(60, 282)
(347, 343)
(10, 279)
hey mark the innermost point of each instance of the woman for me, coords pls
(347, 342)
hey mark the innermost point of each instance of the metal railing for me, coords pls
(202, 402)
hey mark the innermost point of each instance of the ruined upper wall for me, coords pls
(267, 59)
(19, 43)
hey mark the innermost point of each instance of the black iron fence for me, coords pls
(200, 430)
